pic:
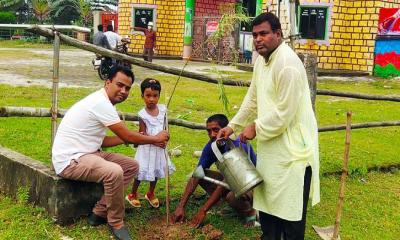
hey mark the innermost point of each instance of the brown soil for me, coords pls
(157, 229)
(211, 232)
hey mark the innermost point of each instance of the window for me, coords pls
(142, 14)
(313, 22)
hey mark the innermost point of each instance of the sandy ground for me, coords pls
(27, 67)
(30, 66)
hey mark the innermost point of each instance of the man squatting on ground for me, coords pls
(277, 108)
(243, 204)
(76, 151)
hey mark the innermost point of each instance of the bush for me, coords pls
(8, 17)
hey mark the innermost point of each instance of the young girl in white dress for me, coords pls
(151, 157)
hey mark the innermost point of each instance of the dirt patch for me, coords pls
(156, 229)
(211, 232)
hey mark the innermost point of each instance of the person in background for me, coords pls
(112, 37)
(149, 42)
(100, 39)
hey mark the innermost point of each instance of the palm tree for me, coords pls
(85, 11)
(41, 9)
(82, 7)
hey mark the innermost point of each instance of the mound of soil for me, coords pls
(157, 229)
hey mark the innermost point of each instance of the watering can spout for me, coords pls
(199, 173)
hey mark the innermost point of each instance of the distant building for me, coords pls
(104, 14)
(342, 33)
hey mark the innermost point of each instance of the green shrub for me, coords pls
(7, 17)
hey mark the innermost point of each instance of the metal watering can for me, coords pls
(236, 167)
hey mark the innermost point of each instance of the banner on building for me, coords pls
(389, 21)
(211, 27)
(387, 45)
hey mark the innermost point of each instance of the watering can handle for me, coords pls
(216, 151)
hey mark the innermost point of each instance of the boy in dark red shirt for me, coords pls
(149, 42)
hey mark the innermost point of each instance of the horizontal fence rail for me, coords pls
(45, 112)
(358, 95)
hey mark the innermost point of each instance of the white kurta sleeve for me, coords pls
(288, 94)
(248, 109)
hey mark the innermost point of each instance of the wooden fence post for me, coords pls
(54, 102)
(311, 64)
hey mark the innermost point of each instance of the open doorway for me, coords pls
(245, 36)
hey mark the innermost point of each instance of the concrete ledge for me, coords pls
(341, 73)
(64, 200)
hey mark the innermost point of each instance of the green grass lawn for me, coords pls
(370, 212)
(371, 208)
(27, 44)
(189, 103)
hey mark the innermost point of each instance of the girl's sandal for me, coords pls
(131, 198)
(153, 202)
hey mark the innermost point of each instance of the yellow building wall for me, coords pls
(170, 26)
(354, 25)
(351, 38)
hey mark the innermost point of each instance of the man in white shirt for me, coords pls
(277, 108)
(76, 151)
(112, 37)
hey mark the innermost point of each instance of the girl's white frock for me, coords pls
(150, 157)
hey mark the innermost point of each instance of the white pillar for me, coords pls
(96, 20)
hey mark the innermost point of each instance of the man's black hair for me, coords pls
(119, 68)
(100, 28)
(269, 17)
(221, 119)
(151, 83)
(110, 27)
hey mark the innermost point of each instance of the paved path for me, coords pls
(33, 66)
(29, 66)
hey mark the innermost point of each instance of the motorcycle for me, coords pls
(104, 64)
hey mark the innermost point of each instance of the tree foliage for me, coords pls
(60, 11)
(64, 11)
(41, 9)
(7, 17)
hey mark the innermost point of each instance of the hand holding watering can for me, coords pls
(249, 133)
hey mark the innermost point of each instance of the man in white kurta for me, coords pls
(278, 110)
